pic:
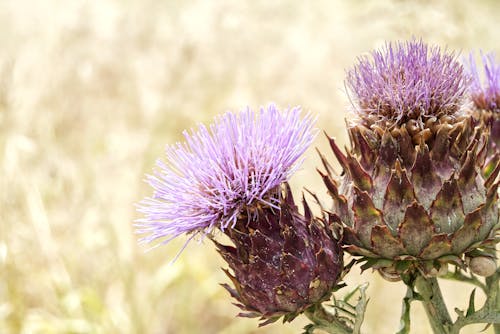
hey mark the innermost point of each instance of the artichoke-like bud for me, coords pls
(229, 178)
(412, 195)
(282, 262)
(485, 95)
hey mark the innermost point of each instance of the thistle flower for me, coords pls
(233, 177)
(405, 81)
(412, 196)
(485, 94)
(223, 171)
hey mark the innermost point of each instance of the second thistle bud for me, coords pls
(413, 195)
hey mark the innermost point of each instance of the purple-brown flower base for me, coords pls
(282, 262)
(410, 201)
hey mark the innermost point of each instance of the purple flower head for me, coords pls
(485, 93)
(407, 80)
(222, 171)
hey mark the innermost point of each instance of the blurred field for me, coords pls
(90, 93)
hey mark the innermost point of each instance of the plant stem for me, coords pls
(457, 275)
(494, 295)
(434, 305)
(405, 312)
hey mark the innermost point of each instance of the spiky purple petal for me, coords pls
(407, 80)
(222, 171)
(485, 87)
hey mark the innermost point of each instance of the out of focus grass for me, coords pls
(91, 91)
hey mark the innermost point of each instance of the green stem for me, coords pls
(434, 305)
(494, 295)
(405, 311)
(457, 275)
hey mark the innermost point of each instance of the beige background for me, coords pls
(90, 93)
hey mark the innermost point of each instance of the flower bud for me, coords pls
(483, 266)
(412, 192)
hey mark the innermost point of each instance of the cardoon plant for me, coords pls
(417, 195)
(412, 197)
(232, 177)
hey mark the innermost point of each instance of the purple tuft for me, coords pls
(485, 93)
(407, 80)
(223, 171)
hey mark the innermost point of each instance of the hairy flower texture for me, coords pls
(412, 195)
(224, 171)
(407, 81)
(485, 93)
(282, 262)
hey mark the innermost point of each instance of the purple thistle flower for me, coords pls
(220, 172)
(407, 80)
(485, 93)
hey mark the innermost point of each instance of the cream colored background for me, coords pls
(90, 93)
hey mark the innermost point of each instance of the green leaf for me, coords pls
(402, 266)
(348, 296)
(485, 328)
(360, 309)
(376, 263)
(309, 329)
(471, 309)
(479, 252)
(368, 264)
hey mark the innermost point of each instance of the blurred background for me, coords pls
(92, 91)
